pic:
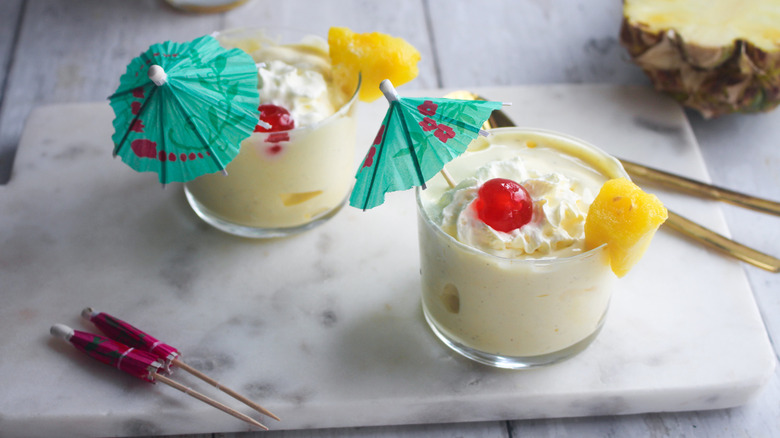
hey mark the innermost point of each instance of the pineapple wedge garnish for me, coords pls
(625, 218)
(375, 55)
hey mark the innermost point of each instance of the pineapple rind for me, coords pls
(715, 80)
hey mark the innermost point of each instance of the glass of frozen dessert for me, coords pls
(296, 170)
(506, 278)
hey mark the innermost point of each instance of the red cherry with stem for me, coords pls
(503, 204)
(276, 116)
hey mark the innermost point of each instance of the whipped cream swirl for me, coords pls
(560, 206)
(303, 92)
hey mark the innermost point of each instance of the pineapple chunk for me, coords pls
(625, 218)
(290, 199)
(376, 56)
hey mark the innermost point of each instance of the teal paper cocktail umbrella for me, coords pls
(417, 138)
(182, 109)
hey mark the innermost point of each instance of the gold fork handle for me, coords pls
(721, 243)
(700, 188)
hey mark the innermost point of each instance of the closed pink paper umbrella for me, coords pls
(135, 362)
(129, 335)
(130, 360)
(134, 337)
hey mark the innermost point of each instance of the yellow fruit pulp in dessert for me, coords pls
(376, 56)
(625, 218)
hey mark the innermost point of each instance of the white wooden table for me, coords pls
(58, 52)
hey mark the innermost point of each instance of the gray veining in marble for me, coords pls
(325, 328)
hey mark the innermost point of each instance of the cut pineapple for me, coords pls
(716, 56)
(625, 218)
(375, 55)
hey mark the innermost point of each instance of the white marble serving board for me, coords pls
(325, 328)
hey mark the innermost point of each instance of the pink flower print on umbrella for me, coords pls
(444, 133)
(144, 148)
(427, 108)
(369, 160)
(137, 126)
(428, 124)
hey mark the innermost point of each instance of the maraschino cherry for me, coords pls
(503, 204)
(276, 116)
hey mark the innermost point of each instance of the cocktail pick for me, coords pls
(128, 334)
(138, 363)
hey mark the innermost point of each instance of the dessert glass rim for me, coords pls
(539, 261)
(337, 114)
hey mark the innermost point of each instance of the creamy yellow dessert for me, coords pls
(297, 167)
(524, 296)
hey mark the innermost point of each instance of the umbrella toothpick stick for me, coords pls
(226, 390)
(191, 392)
(447, 177)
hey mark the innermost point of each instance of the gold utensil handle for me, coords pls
(721, 243)
(700, 188)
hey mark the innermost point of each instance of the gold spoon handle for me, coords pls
(701, 189)
(721, 243)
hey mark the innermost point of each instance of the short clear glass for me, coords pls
(282, 183)
(515, 313)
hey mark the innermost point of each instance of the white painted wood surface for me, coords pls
(56, 51)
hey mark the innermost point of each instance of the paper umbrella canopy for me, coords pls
(182, 109)
(418, 136)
